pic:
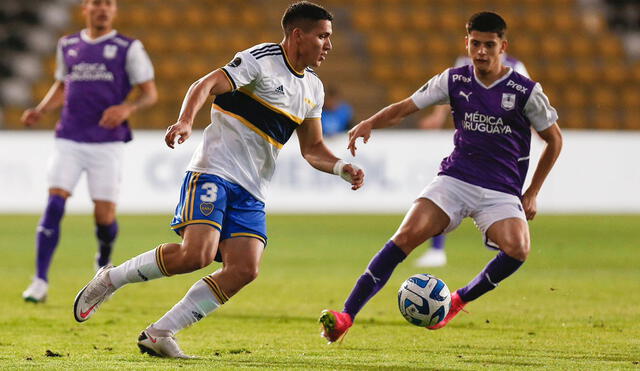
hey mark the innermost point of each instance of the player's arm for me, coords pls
(553, 138)
(318, 155)
(389, 116)
(52, 100)
(435, 119)
(117, 114)
(214, 83)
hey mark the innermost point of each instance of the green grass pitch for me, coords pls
(575, 305)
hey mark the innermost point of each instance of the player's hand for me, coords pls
(529, 204)
(355, 176)
(180, 130)
(363, 129)
(31, 117)
(115, 115)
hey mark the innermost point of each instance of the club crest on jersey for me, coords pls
(235, 63)
(508, 101)
(206, 208)
(110, 51)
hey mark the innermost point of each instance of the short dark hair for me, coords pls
(487, 22)
(299, 14)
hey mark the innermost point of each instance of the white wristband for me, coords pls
(337, 167)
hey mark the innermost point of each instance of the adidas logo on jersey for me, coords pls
(280, 90)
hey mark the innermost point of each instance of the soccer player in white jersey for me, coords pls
(494, 109)
(96, 69)
(261, 97)
(436, 256)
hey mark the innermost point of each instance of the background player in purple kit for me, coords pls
(494, 109)
(435, 256)
(96, 69)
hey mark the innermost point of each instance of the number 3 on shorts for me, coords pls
(212, 192)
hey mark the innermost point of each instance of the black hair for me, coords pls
(299, 14)
(487, 22)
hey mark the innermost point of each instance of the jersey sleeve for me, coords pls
(521, 69)
(316, 111)
(434, 92)
(242, 70)
(539, 111)
(61, 67)
(138, 64)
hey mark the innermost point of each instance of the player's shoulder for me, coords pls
(462, 74)
(264, 50)
(69, 39)
(522, 79)
(122, 40)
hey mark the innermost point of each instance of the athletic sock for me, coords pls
(501, 267)
(144, 267)
(48, 235)
(202, 298)
(106, 234)
(437, 242)
(374, 278)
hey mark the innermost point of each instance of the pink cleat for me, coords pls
(334, 324)
(457, 305)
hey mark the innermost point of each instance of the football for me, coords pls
(424, 300)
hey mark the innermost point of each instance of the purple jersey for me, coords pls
(493, 134)
(96, 78)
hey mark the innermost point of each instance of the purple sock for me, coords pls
(501, 267)
(437, 242)
(374, 278)
(106, 234)
(48, 235)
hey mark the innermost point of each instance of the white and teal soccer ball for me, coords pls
(424, 300)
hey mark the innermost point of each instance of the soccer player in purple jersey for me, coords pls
(494, 109)
(96, 69)
(436, 256)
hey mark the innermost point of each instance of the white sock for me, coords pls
(144, 267)
(199, 301)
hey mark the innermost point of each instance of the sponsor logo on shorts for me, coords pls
(206, 208)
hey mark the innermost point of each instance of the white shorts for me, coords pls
(101, 161)
(460, 199)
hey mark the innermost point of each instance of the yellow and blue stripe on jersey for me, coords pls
(274, 125)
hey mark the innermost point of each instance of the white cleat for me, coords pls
(160, 346)
(37, 291)
(96, 292)
(432, 258)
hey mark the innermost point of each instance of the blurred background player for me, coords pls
(494, 110)
(436, 256)
(95, 71)
(261, 97)
(337, 114)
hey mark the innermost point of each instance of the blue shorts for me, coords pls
(226, 206)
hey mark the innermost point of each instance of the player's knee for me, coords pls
(194, 258)
(517, 248)
(407, 239)
(246, 273)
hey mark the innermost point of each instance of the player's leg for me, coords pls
(424, 220)
(243, 241)
(504, 224)
(104, 174)
(241, 259)
(435, 256)
(197, 224)
(512, 236)
(63, 172)
(106, 230)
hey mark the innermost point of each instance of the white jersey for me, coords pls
(249, 125)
